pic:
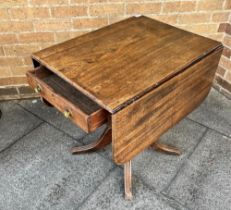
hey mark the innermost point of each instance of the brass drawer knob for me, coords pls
(67, 114)
(38, 89)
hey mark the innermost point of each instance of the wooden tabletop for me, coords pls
(119, 63)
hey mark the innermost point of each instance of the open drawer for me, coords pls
(72, 103)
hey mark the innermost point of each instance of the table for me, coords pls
(139, 76)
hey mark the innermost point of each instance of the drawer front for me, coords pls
(88, 122)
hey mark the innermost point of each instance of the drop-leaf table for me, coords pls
(139, 76)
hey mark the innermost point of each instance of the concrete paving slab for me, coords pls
(214, 112)
(54, 117)
(204, 183)
(14, 123)
(157, 169)
(38, 172)
(110, 195)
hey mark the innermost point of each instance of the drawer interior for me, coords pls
(66, 90)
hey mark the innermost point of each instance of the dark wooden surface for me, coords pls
(140, 124)
(120, 63)
(83, 111)
(146, 74)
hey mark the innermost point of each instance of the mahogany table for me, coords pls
(139, 76)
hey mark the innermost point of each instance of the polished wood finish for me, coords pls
(194, 84)
(122, 62)
(140, 124)
(103, 141)
(139, 75)
(82, 110)
(128, 180)
(166, 148)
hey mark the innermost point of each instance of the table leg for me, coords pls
(104, 140)
(128, 180)
(166, 148)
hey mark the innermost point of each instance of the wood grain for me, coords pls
(122, 62)
(140, 124)
(83, 111)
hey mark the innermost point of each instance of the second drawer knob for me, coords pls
(38, 89)
(67, 114)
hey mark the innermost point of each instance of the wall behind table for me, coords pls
(30, 25)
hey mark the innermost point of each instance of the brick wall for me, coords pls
(223, 77)
(30, 25)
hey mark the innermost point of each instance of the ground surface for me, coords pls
(37, 170)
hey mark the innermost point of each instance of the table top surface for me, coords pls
(119, 63)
